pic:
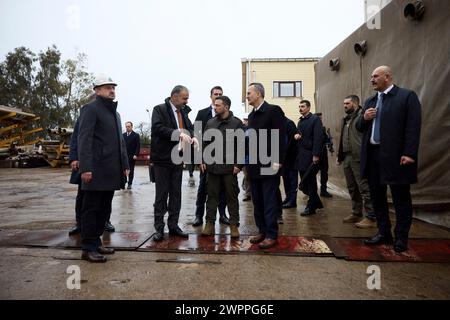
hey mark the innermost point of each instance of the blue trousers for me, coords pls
(267, 205)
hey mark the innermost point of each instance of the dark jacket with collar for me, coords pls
(163, 126)
(101, 148)
(132, 143)
(204, 115)
(223, 125)
(269, 117)
(354, 136)
(292, 145)
(311, 142)
(399, 135)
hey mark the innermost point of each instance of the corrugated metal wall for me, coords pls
(419, 53)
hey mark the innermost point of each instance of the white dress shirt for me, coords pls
(174, 109)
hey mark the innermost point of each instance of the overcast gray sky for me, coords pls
(148, 46)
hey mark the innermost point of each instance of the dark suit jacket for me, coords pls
(132, 143)
(311, 143)
(101, 148)
(271, 118)
(204, 115)
(399, 135)
(292, 145)
(163, 126)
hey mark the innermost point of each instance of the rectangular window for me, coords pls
(287, 89)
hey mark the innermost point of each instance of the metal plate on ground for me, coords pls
(61, 239)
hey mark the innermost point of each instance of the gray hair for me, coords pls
(259, 88)
(178, 89)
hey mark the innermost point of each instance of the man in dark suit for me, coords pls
(132, 141)
(103, 165)
(389, 154)
(265, 122)
(310, 146)
(204, 116)
(290, 174)
(171, 131)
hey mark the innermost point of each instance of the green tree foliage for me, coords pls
(45, 85)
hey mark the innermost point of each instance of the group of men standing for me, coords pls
(378, 147)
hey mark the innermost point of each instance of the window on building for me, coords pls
(286, 89)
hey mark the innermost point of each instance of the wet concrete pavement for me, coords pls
(42, 199)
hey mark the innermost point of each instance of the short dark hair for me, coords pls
(258, 87)
(226, 100)
(129, 123)
(178, 89)
(216, 88)
(307, 102)
(354, 98)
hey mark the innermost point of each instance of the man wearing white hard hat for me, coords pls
(103, 165)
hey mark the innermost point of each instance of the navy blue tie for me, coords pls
(376, 127)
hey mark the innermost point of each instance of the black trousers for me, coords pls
(168, 187)
(79, 205)
(290, 181)
(95, 210)
(401, 197)
(310, 187)
(131, 162)
(324, 170)
(266, 197)
(202, 194)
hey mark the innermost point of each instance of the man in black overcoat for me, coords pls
(310, 145)
(103, 166)
(389, 154)
(265, 122)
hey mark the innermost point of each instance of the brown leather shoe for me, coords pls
(268, 243)
(258, 238)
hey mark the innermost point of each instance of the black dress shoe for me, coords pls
(285, 201)
(93, 256)
(197, 222)
(319, 205)
(109, 227)
(103, 250)
(74, 231)
(158, 236)
(325, 194)
(308, 212)
(280, 220)
(400, 246)
(289, 205)
(179, 233)
(378, 239)
(224, 220)
(129, 187)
